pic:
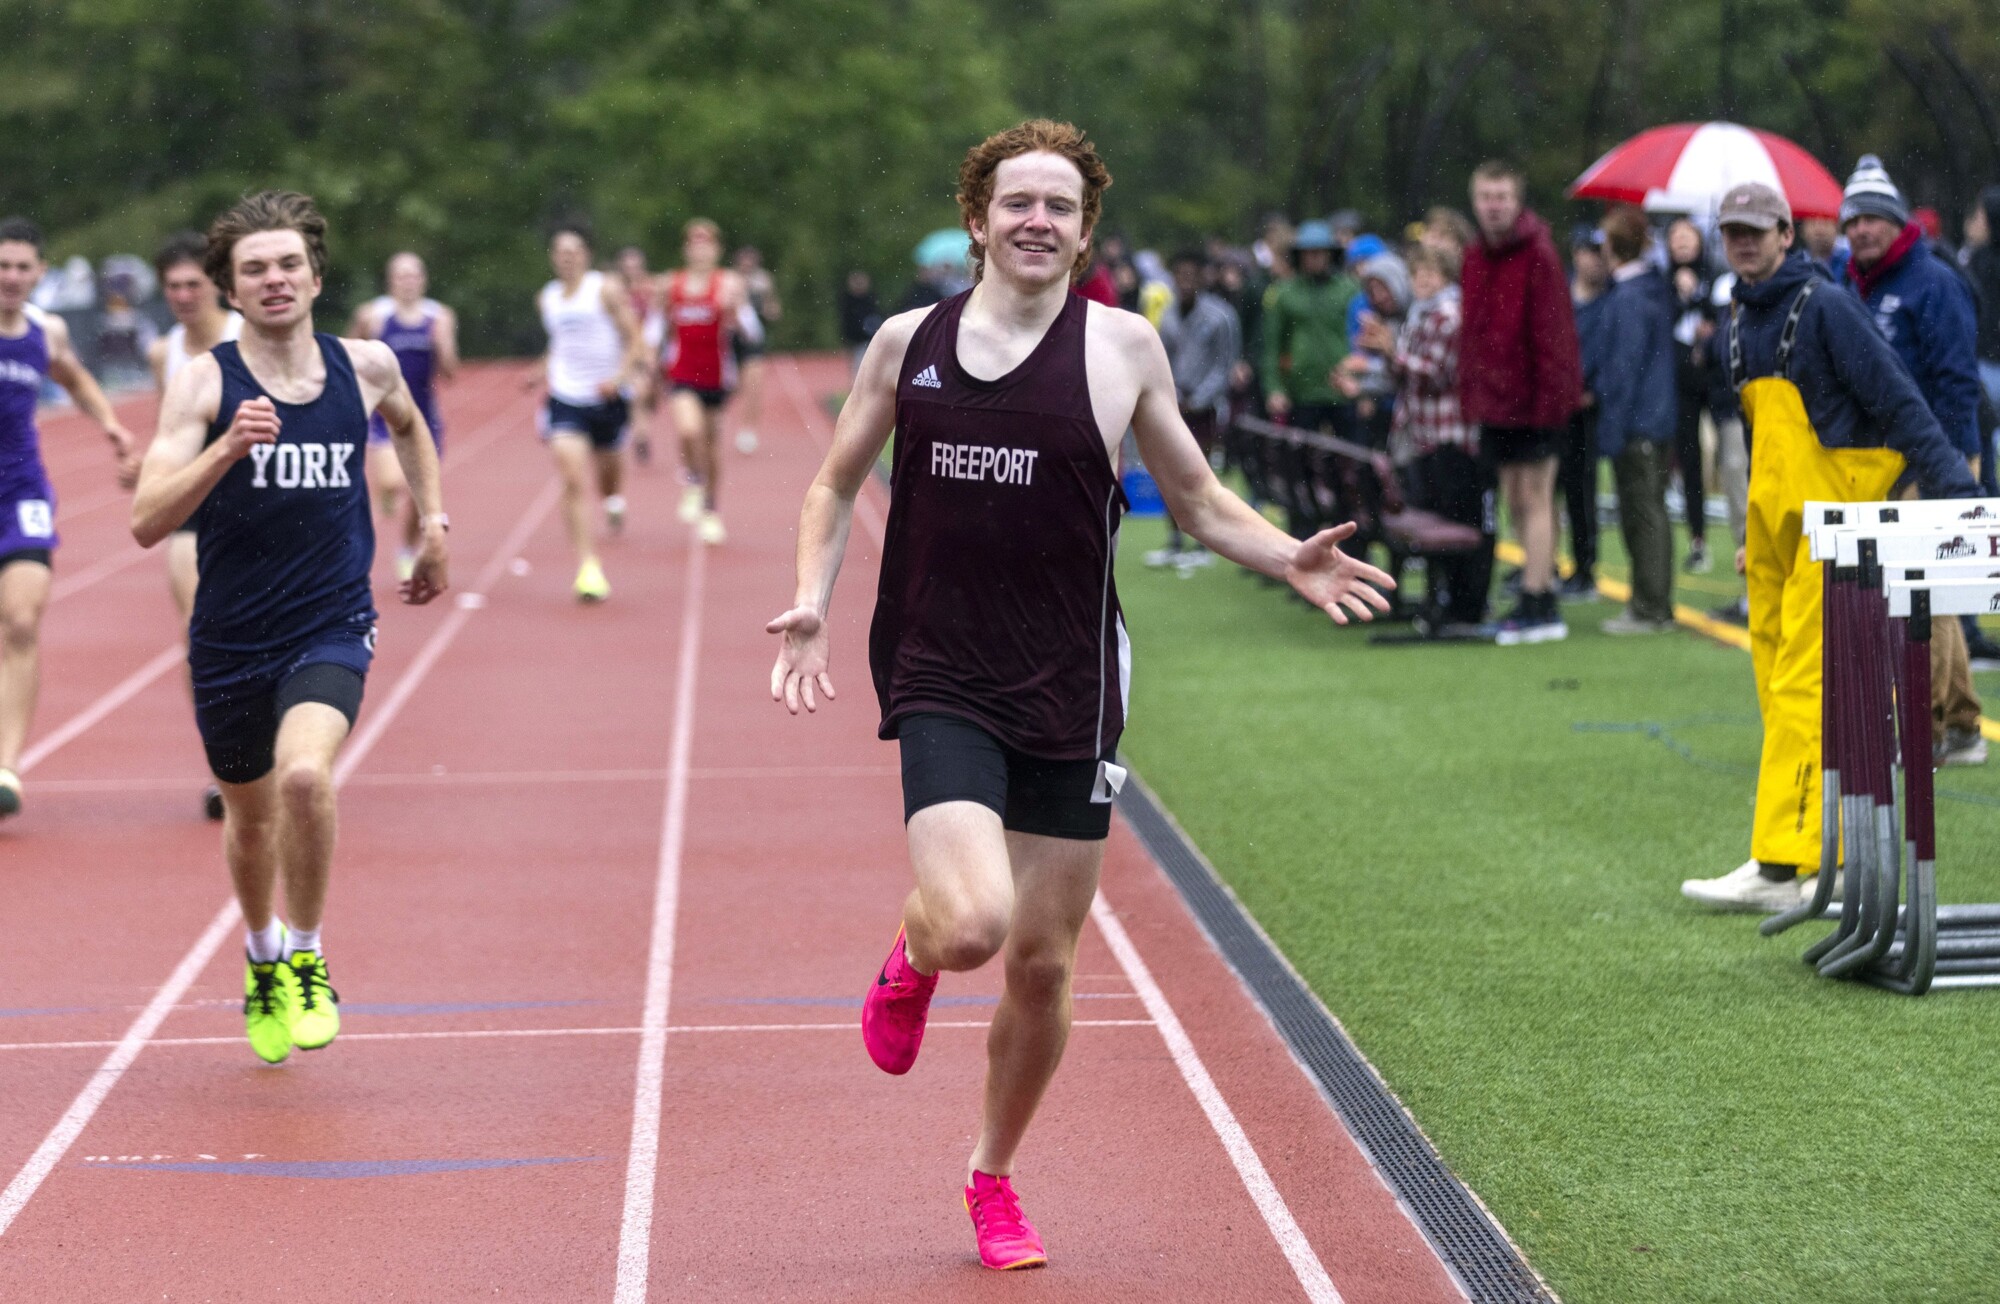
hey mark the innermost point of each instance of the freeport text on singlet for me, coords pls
(984, 462)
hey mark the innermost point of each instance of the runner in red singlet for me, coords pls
(702, 302)
(999, 655)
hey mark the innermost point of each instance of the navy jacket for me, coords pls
(1925, 309)
(1637, 391)
(1588, 315)
(1856, 392)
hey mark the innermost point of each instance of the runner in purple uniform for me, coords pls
(998, 652)
(423, 334)
(33, 345)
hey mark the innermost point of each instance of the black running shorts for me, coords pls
(604, 424)
(712, 399)
(39, 556)
(1514, 445)
(946, 758)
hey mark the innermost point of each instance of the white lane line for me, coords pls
(68, 586)
(501, 778)
(1264, 1194)
(74, 1119)
(475, 1034)
(642, 1163)
(124, 691)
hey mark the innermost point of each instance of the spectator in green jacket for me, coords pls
(1305, 336)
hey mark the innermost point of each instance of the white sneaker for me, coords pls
(710, 529)
(1744, 888)
(1196, 556)
(1160, 557)
(1959, 747)
(746, 441)
(614, 513)
(691, 504)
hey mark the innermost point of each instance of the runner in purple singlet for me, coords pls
(999, 655)
(33, 345)
(423, 334)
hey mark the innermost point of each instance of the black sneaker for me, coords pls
(1733, 613)
(1578, 588)
(1535, 619)
(211, 802)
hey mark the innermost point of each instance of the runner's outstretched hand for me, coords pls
(1331, 580)
(428, 576)
(802, 659)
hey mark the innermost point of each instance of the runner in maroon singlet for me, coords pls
(998, 652)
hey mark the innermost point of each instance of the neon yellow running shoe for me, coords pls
(270, 999)
(316, 1014)
(591, 586)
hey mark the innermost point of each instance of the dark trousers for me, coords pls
(1641, 474)
(1687, 456)
(1576, 478)
(1459, 487)
(1200, 423)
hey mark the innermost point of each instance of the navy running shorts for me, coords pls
(240, 700)
(604, 424)
(948, 758)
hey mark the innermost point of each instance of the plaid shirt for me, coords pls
(1426, 370)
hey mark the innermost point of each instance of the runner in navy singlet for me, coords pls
(261, 445)
(423, 334)
(200, 323)
(33, 346)
(998, 652)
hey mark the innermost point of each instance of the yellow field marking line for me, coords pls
(1698, 621)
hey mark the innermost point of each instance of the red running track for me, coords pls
(601, 917)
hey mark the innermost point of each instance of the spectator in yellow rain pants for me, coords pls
(1831, 414)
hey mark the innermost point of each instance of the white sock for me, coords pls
(303, 940)
(266, 944)
(615, 504)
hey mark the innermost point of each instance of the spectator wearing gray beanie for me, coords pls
(1924, 307)
(1871, 193)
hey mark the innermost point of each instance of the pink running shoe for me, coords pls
(893, 1015)
(1006, 1238)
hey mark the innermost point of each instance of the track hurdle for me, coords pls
(1888, 570)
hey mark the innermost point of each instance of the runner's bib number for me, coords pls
(37, 522)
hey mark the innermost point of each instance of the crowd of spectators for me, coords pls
(1492, 371)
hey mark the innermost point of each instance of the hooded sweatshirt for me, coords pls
(1394, 274)
(1924, 308)
(1856, 392)
(1305, 336)
(1519, 363)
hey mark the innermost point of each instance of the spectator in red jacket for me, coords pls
(1520, 376)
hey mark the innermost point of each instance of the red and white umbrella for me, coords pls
(1688, 167)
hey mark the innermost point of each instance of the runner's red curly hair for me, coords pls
(975, 178)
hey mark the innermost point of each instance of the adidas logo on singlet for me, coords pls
(927, 379)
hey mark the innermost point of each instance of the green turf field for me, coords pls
(1473, 854)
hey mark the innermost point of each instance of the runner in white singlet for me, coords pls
(595, 351)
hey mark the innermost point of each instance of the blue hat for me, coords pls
(1365, 247)
(1313, 235)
